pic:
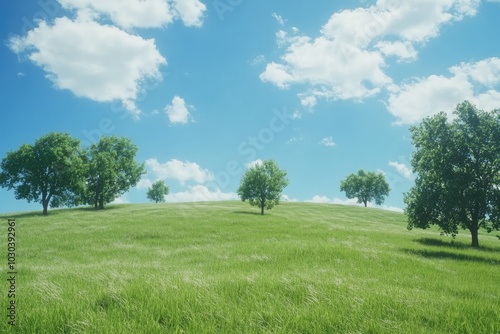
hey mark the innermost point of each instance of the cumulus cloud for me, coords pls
(142, 13)
(402, 169)
(191, 12)
(77, 55)
(200, 193)
(478, 82)
(178, 111)
(137, 13)
(328, 141)
(347, 60)
(144, 183)
(179, 170)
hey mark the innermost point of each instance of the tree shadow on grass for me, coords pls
(443, 255)
(252, 213)
(455, 245)
(55, 212)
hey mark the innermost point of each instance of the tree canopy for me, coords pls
(111, 170)
(158, 191)
(458, 167)
(262, 185)
(49, 172)
(366, 187)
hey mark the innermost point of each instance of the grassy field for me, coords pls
(223, 268)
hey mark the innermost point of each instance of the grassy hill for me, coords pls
(223, 268)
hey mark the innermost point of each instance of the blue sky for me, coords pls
(205, 88)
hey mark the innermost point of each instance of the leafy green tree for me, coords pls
(262, 185)
(49, 172)
(366, 187)
(458, 166)
(158, 191)
(111, 170)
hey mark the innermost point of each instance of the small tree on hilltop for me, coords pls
(458, 172)
(158, 191)
(262, 185)
(366, 186)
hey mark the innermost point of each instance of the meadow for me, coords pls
(223, 268)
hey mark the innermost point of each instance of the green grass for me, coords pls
(223, 268)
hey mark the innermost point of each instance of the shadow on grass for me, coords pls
(56, 212)
(443, 255)
(252, 213)
(455, 245)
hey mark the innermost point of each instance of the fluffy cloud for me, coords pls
(142, 13)
(348, 58)
(200, 193)
(179, 170)
(178, 112)
(402, 169)
(78, 56)
(477, 82)
(144, 183)
(191, 12)
(137, 13)
(328, 141)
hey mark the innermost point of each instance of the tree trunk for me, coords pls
(101, 203)
(262, 209)
(45, 205)
(366, 203)
(475, 237)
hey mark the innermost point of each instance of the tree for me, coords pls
(458, 166)
(111, 170)
(48, 172)
(158, 191)
(365, 186)
(262, 185)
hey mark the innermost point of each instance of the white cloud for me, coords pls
(319, 199)
(353, 201)
(348, 58)
(392, 208)
(308, 101)
(254, 163)
(142, 13)
(279, 19)
(191, 12)
(286, 198)
(328, 141)
(178, 112)
(402, 169)
(296, 115)
(144, 183)
(78, 56)
(295, 139)
(427, 96)
(200, 193)
(179, 170)
(402, 50)
(325, 200)
(121, 200)
(137, 13)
